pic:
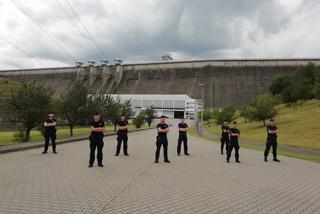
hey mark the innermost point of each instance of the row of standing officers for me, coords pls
(229, 138)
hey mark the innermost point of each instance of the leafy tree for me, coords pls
(28, 105)
(227, 113)
(73, 105)
(138, 121)
(244, 112)
(111, 108)
(263, 107)
(297, 87)
(316, 90)
(149, 114)
(280, 83)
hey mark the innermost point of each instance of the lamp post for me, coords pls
(202, 104)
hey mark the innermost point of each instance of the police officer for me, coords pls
(183, 128)
(162, 129)
(50, 133)
(96, 139)
(272, 131)
(234, 142)
(225, 129)
(122, 136)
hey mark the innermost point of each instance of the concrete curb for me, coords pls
(26, 146)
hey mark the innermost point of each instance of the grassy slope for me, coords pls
(298, 127)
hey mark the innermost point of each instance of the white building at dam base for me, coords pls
(169, 105)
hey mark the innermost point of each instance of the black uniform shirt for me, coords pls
(234, 131)
(123, 123)
(162, 126)
(99, 124)
(223, 134)
(183, 126)
(50, 129)
(272, 135)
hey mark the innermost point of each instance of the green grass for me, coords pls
(298, 127)
(7, 137)
(316, 159)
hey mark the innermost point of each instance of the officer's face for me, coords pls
(162, 120)
(96, 117)
(182, 120)
(123, 118)
(225, 123)
(272, 123)
(234, 125)
(51, 115)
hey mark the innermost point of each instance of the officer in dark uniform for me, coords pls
(50, 133)
(272, 131)
(122, 136)
(96, 139)
(162, 129)
(225, 129)
(183, 128)
(234, 142)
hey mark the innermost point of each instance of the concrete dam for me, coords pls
(225, 81)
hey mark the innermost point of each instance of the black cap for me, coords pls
(234, 122)
(272, 120)
(163, 116)
(97, 113)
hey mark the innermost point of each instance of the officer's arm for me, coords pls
(53, 124)
(159, 129)
(100, 129)
(45, 124)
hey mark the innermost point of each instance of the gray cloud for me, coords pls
(143, 30)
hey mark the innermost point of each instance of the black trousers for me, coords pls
(271, 143)
(182, 138)
(162, 140)
(47, 138)
(96, 143)
(224, 141)
(236, 147)
(122, 137)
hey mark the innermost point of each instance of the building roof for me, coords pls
(153, 96)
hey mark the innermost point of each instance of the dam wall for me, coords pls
(225, 81)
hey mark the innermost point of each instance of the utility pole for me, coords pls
(202, 105)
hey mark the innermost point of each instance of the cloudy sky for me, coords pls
(48, 33)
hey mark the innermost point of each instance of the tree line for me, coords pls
(27, 105)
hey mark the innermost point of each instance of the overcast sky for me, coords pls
(49, 33)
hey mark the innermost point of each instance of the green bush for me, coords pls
(226, 114)
(263, 107)
(138, 121)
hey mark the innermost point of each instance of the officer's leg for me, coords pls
(158, 144)
(46, 144)
(236, 149)
(179, 145)
(222, 144)
(274, 149)
(125, 144)
(185, 145)
(165, 149)
(229, 151)
(119, 139)
(53, 140)
(266, 151)
(100, 154)
(93, 145)
(227, 144)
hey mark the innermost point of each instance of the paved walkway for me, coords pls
(202, 183)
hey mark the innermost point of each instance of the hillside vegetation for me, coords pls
(298, 126)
